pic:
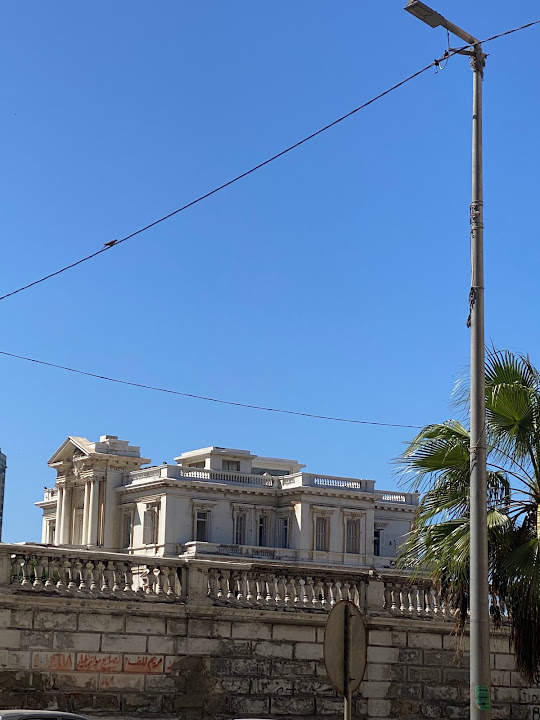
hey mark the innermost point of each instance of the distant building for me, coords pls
(3, 466)
(218, 501)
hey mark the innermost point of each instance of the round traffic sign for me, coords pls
(345, 647)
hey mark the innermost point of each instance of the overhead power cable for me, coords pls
(113, 243)
(208, 399)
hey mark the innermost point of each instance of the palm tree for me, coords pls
(436, 463)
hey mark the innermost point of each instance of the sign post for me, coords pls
(345, 651)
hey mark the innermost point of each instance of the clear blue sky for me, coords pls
(334, 281)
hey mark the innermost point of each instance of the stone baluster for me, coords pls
(101, 579)
(387, 597)
(420, 604)
(220, 586)
(108, 578)
(260, 590)
(116, 587)
(128, 574)
(125, 585)
(403, 600)
(409, 599)
(394, 597)
(324, 594)
(68, 574)
(86, 576)
(435, 601)
(302, 596)
(212, 583)
(319, 600)
(79, 576)
(277, 590)
(25, 581)
(270, 598)
(94, 578)
(286, 588)
(312, 597)
(361, 593)
(427, 601)
(38, 573)
(60, 571)
(14, 569)
(332, 592)
(158, 580)
(140, 580)
(295, 590)
(414, 606)
(51, 570)
(230, 585)
(250, 597)
(239, 588)
(180, 582)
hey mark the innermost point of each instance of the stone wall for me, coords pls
(116, 658)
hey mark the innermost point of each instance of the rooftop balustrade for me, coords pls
(178, 472)
(286, 482)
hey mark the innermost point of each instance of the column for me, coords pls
(59, 515)
(363, 537)
(93, 513)
(86, 512)
(65, 536)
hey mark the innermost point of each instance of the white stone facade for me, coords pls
(218, 502)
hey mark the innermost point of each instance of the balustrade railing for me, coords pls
(178, 472)
(298, 479)
(414, 599)
(264, 590)
(87, 574)
(397, 497)
(236, 583)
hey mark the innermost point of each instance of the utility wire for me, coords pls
(208, 399)
(113, 243)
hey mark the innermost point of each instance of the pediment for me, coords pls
(70, 447)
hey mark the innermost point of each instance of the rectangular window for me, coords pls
(240, 529)
(263, 531)
(321, 533)
(201, 526)
(199, 464)
(352, 536)
(231, 465)
(51, 532)
(127, 530)
(283, 532)
(150, 526)
(377, 542)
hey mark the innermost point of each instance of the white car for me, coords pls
(38, 715)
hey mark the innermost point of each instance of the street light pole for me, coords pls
(480, 681)
(479, 604)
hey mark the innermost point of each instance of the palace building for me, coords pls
(218, 502)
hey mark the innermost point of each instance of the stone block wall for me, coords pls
(117, 659)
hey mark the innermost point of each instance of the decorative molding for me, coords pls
(322, 511)
(203, 505)
(353, 514)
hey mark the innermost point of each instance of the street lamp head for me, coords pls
(432, 18)
(425, 13)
